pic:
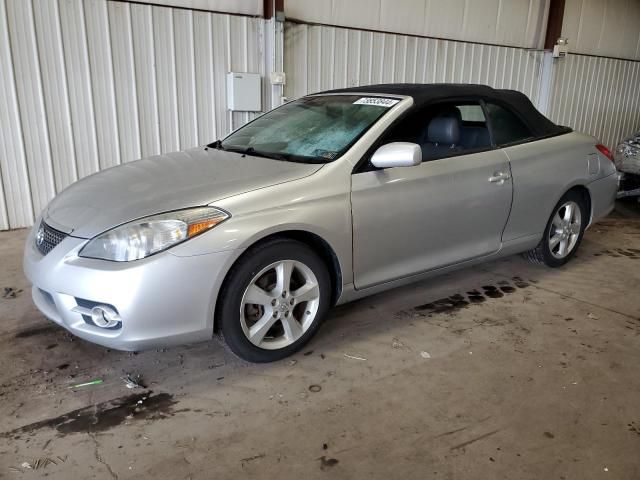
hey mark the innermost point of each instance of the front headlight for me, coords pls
(146, 236)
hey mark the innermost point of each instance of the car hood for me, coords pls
(163, 183)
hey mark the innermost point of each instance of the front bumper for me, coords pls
(162, 300)
(629, 185)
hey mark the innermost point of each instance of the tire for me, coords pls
(550, 253)
(258, 317)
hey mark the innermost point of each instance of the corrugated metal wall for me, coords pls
(88, 84)
(245, 7)
(599, 96)
(608, 28)
(319, 58)
(596, 95)
(516, 23)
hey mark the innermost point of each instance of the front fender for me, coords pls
(324, 211)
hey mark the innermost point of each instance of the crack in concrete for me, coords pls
(586, 302)
(570, 297)
(96, 454)
(451, 432)
(469, 442)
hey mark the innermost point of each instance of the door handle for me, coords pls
(499, 177)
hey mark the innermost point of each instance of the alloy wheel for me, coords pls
(279, 304)
(565, 229)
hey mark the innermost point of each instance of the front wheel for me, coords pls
(564, 232)
(273, 301)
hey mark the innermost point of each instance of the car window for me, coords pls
(506, 127)
(443, 129)
(471, 113)
(314, 129)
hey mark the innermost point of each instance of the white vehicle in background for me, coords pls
(627, 160)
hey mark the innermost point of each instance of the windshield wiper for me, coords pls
(258, 153)
(241, 150)
(272, 155)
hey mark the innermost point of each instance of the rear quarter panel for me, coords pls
(542, 172)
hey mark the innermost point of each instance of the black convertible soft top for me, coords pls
(423, 94)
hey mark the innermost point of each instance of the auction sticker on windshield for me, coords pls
(376, 101)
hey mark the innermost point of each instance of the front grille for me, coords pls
(48, 238)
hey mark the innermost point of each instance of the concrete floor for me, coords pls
(539, 379)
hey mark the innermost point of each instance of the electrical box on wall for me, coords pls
(244, 92)
(561, 48)
(278, 78)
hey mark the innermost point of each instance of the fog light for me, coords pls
(104, 317)
(100, 315)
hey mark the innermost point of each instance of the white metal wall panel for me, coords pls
(255, 58)
(167, 93)
(185, 78)
(243, 33)
(125, 80)
(519, 23)
(606, 28)
(320, 58)
(143, 53)
(76, 59)
(89, 84)
(4, 221)
(237, 60)
(598, 96)
(102, 84)
(56, 94)
(205, 77)
(16, 208)
(244, 7)
(273, 41)
(222, 65)
(33, 117)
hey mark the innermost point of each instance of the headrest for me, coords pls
(445, 130)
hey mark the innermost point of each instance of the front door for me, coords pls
(409, 220)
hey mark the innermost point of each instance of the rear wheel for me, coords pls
(273, 301)
(563, 234)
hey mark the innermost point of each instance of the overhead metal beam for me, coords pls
(554, 24)
(273, 8)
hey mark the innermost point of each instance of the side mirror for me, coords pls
(397, 154)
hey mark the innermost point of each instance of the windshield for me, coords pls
(311, 130)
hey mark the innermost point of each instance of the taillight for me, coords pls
(605, 151)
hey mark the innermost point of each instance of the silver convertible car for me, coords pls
(324, 200)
